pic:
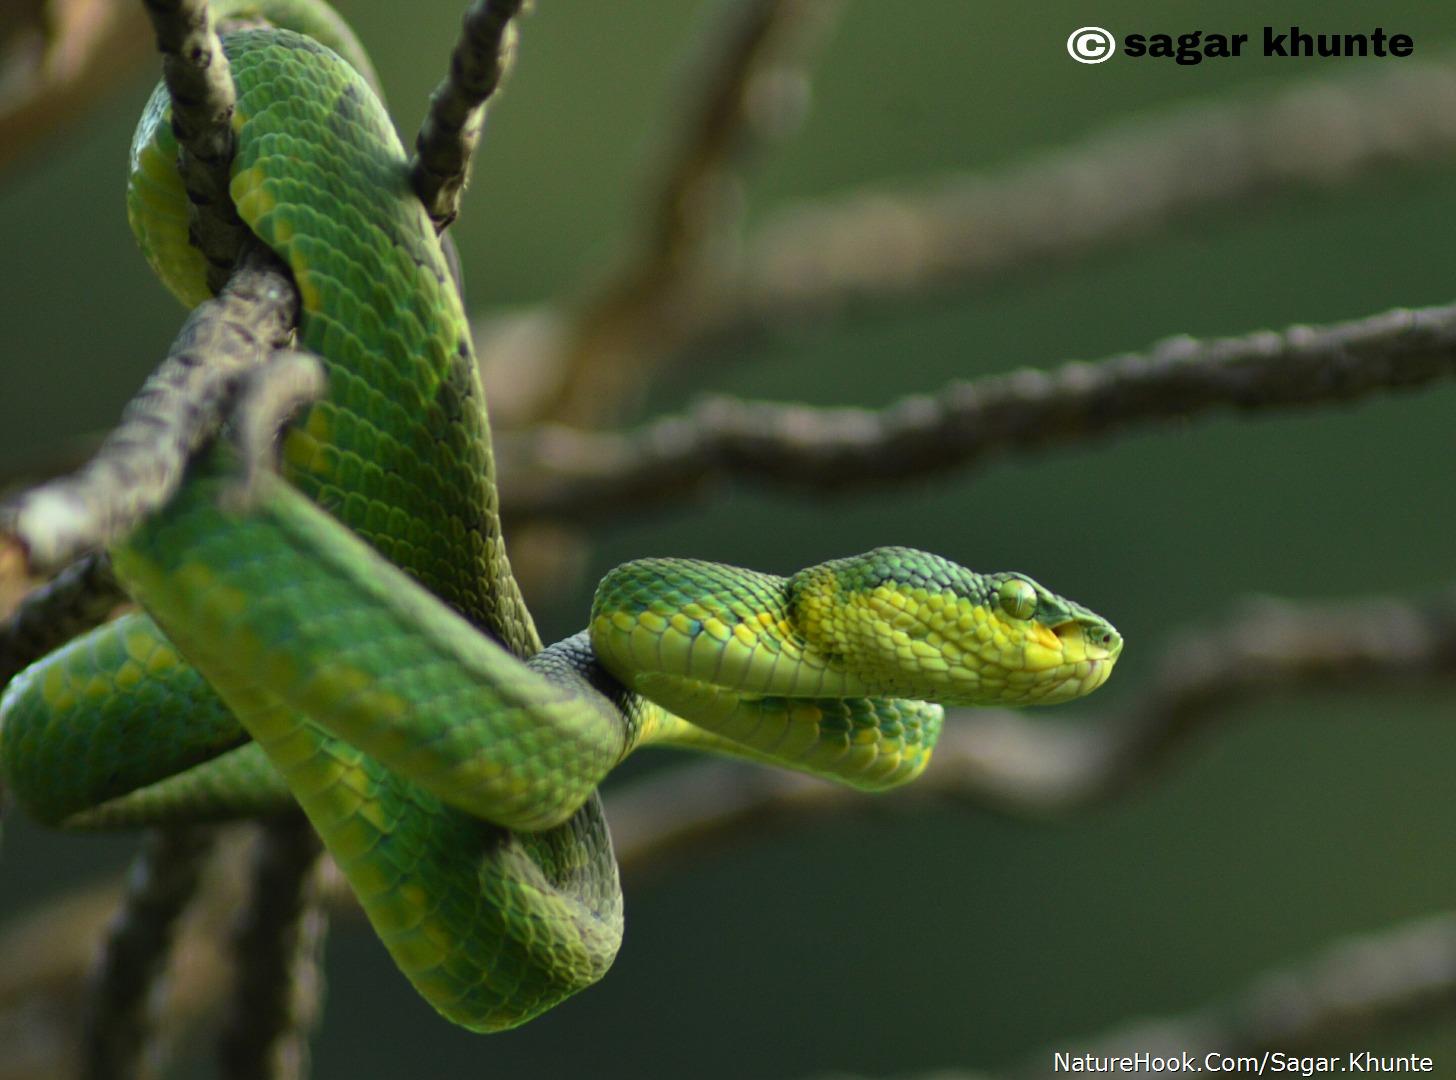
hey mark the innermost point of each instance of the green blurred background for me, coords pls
(886, 943)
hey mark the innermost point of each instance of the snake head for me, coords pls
(915, 625)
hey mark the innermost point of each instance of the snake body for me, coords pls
(350, 639)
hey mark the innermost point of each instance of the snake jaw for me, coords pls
(1015, 662)
(1089, 649)
(1083, 641)
(1060, 653)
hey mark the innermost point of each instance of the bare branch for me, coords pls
(1116, 187)
(163, 881)
(57, 59)
(276, 950)
(1357, 988)
(81, 596)
(447, 138)
(1001, 759)
(748, 85)
(749, 88)
(50, 949)
(140, 464)
(1360, 988)
(554, 472)
(203, 100)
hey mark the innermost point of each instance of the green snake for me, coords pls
(348, 639)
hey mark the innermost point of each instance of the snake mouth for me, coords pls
(1088, 643)
(1088, 656)
(1063, 661)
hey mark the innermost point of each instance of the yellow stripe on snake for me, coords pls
(345, 640)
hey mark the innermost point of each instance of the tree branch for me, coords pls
(1352, 990)
(276, 953)
(561, 474)
(163, 881)
(822, 257)
(141, 462)
(57, 57)
(748, 84)
(203, 101)
(51, 948)
(1118, 186)
(451, 129)
(81, 596)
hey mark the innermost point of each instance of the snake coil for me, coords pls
(348, 640)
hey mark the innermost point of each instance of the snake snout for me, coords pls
(1083, 641)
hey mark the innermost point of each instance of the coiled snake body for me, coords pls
(345, 640)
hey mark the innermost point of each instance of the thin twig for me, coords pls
(1002, 760)
(830, 256)
(163, 881)
(451, 129)
(562, 474)
(50, 948)
(140, 464)
(276, 951)
(1357, 989)
(203, 101)
(79, 597)
(748, 85)
(57, 59)
(1346, 992)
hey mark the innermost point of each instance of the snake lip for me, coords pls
(1093, 643)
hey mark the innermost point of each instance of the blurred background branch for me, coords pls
(748, 86)
(1342, 998)
(117, 1039)
(56, 58)
(276, 957)
(1115, 187)
(1322, 1005)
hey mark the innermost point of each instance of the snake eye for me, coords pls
(1017, 598)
